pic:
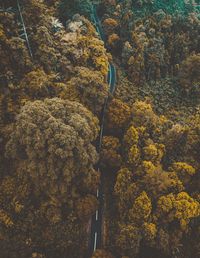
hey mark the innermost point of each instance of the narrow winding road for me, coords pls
(23, 29)
(16, 8)
(96, 225)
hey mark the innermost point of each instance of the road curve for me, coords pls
(96, 224)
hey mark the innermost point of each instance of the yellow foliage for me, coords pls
(69, 92)
(157, 181)
(8, 186)
(141, 209)
(5, 219)
(109, 26)
(186, 207)
(124, 179)
(110, 22)
(134, 155)
(150, 152)
(101, 64)
(2, 33)
(183, 224)
(51, 131)
(143, 114)
(150, 231)
(145, 167)
(37, 84)
(148, 166)
(183, 168)
(112, 39)
(110, 152)
(141, 131)
(154, 152)
(18, 207)
(131, 137)
(118, 115)
(165, 203)
(37, 255)
(93, 51)
(88, 87)
(129, 238)
(180, 206)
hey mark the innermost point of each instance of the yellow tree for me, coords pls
(181, 207)
(131, 136)
(88, 87)
(124, 179)
(149, 231)
(118, 116)
(125, 191)
(141, 209)
(134, 156)
(157, 182)
(128, 240)
(52, 149)
(38, 85)
(110, 153)
(114, 42)
(109, 26)
(143, 115)
(184, 171)
(154, 152)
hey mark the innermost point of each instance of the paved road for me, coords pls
(96, 225)
(15, 7)
(24, 32)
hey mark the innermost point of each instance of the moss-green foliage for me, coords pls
(68, 8)
(146, 7)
